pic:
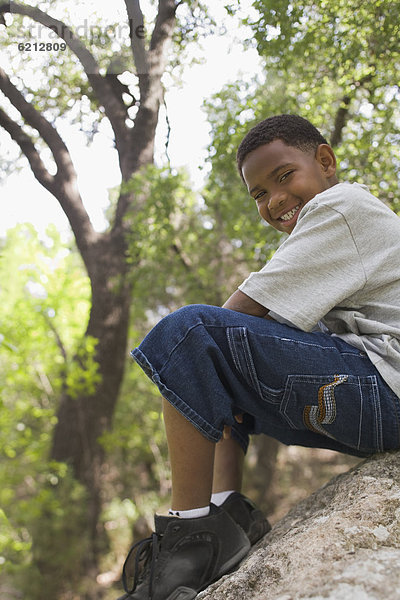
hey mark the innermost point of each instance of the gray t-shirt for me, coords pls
(340, 266)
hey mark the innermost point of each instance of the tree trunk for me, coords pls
(83, 419)
(260, 470)
(85, 413)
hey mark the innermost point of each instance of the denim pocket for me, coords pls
(343, 407)
(242, 357)
(239, 345)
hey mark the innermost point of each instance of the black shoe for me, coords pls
(246, 514)
(183, 557)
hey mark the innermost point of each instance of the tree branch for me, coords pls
(114, 110)
(168, 131)
(176, 246)
(36, 120)
(28, 148)
(135, 146)
(340, 121)
(344, 108)
(163, 27)
(63, 185)
(59, 341)
(165, 21)
(136, 24)
(141, 147)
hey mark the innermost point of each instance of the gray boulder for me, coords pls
(341, 543)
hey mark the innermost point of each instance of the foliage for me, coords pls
(182, 242)
(45, 294)
(339, 63)
(351, 39)
(185, 247)
(45, 300)
(231, 112)
(137, 477)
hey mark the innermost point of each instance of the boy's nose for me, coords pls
(276, 201)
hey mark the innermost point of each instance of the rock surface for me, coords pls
(341, 543)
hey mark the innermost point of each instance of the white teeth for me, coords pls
(289, 214)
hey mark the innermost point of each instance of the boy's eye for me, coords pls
(285, 176)
(259, 196)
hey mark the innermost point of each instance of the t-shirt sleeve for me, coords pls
(314, 270)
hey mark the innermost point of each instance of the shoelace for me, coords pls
(144, 549)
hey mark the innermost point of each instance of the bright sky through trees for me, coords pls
(24, 200)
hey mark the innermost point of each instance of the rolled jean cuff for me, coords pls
(206, 429)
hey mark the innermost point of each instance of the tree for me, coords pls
(30, 115)
(45, 299)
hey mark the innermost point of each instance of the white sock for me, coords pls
(219, 497)
(194, 513)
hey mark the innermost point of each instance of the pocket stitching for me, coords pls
(250, 373)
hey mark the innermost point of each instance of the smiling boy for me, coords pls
(282, 179)
(307, 350)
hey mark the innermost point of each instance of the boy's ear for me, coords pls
(327, 159)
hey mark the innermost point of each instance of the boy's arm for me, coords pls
(244, 304)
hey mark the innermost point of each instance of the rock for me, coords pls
(341, 543)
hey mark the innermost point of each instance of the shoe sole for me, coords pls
(257, 530)
(184, 593)
(233, 562)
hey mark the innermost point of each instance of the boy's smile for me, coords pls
(282, 179)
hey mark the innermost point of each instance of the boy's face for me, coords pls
(282, 179)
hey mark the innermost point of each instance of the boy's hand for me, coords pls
(228, 428)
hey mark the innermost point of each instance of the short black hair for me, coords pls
(293, 130)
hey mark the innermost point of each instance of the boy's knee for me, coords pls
(187, 316)
(175, 325)
(173, 329)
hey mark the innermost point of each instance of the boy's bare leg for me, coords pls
(228, 466)
(199, 466)
(192, 461)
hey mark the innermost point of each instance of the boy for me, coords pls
(307, 350)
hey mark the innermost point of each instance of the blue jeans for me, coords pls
(309, 389)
